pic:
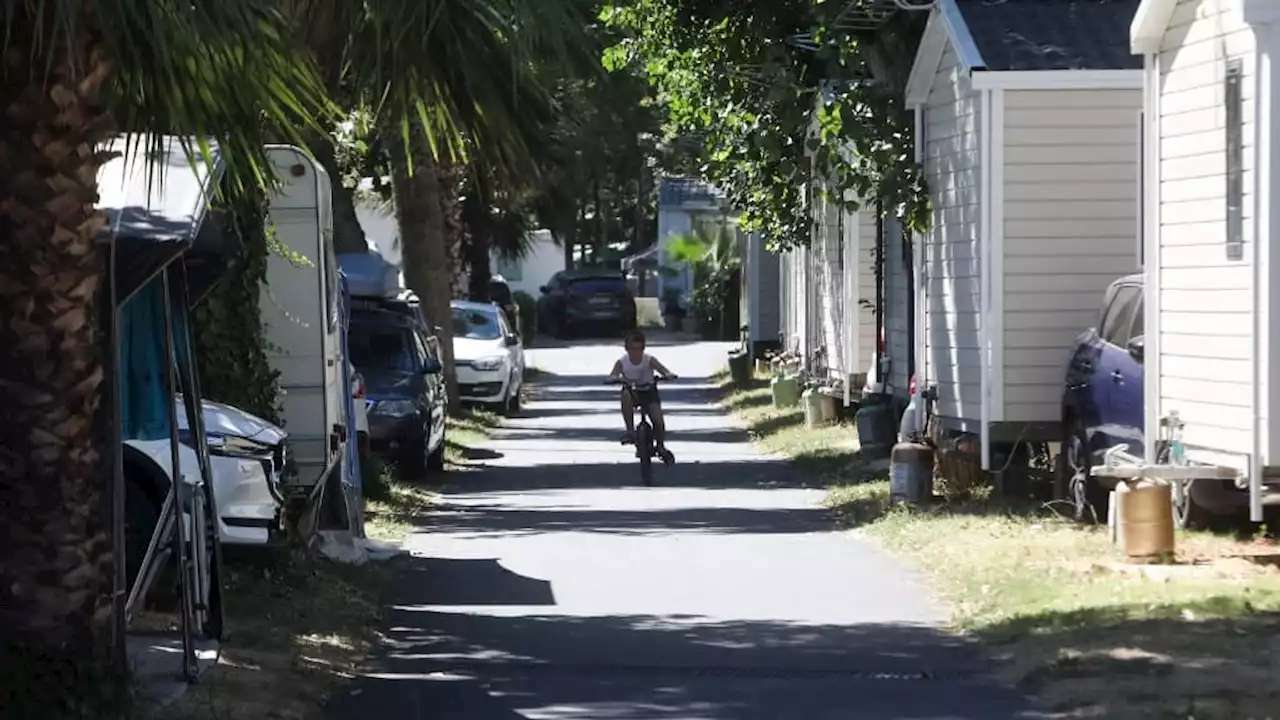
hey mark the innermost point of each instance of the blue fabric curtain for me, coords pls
(145, 401)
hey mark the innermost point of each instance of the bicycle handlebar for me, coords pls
(624, 381)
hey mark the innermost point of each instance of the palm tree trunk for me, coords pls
(56, 658)
(455, 231)
(475, 215)
(416, 186)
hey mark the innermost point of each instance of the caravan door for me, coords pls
(301, 312)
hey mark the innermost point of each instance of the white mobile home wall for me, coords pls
(951, 262)
(1069, 228)
(1210, 325)
(1034, 183)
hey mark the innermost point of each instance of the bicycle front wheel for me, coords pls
(644, 449)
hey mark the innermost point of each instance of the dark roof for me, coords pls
(1052, 34)
(676, 191)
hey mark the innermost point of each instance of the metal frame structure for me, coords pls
(147, 243)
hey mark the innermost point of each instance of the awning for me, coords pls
(156, 206)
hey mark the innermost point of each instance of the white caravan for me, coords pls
(300, 309)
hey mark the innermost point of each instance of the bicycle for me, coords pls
(646, 448)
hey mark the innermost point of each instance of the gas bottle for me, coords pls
(819, 408)
(785, 390)
(911, 473)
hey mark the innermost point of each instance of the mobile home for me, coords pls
(1027, 125)
(1210, 202)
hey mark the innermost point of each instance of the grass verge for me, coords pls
(395, 507)
(1090, 635)
(296, 627)
(826, 454)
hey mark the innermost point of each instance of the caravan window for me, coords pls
(330, 282)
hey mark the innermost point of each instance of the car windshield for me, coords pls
(380, 346)
(475, 324)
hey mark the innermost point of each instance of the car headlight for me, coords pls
(229, 445)
(394, 408)
(490, 363)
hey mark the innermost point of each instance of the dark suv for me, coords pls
(575, 301)
(403, 387)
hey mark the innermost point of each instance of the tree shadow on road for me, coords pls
(661, 667)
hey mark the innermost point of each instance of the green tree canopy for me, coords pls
(773, 93)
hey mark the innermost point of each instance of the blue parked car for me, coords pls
(1102, 403)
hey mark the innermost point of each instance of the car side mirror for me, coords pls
(544, 289)
(513, 340)
(432, 366)
(1137, 347)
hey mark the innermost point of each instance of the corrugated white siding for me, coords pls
(827, 267)
(897, 308)
(952, 164)
(1206, 356)
(767, 294)
(1070, 221)
(863, 261)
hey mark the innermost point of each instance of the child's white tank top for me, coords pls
(640, 373)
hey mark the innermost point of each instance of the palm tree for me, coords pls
(479, 110)
(75, 71)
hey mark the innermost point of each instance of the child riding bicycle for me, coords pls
(638, 368)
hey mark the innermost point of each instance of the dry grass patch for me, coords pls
(1090, 634)
(296, 628)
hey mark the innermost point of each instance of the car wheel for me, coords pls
(1074, 483)
(513, 402)
(435, 458)
(416, 460)
(562, 328)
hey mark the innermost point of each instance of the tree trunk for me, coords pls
(450, 198)
(567, 240)
(423, 244)
(57, 566)
(348, 235)
(475, 215)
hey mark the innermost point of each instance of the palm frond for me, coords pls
(462, 68)
(228, 73)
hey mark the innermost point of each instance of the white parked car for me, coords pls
(247, 457)
(488, 354)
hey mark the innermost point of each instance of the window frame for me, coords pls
(1233, 101)
(1118, 304)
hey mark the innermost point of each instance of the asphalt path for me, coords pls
(551, 585)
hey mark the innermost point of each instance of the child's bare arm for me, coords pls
(616, 372)
(662, 369)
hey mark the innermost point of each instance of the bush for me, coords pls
(528, 309)
(373, 477)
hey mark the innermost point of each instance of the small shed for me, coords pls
(1211, 214)
(1027, 121)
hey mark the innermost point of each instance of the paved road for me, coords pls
(551, 587)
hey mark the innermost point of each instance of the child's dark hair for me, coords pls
(633, 336)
